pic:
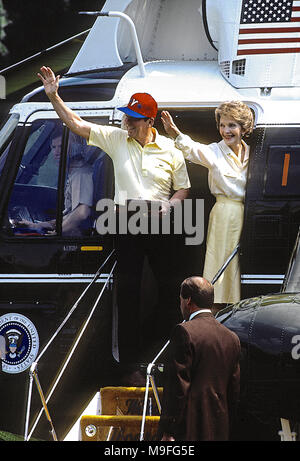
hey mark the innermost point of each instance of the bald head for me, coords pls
(196, 293)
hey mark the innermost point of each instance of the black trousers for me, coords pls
(139, 341)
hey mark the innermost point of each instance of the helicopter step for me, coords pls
(120, 415)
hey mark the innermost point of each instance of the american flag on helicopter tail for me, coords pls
(269, 27)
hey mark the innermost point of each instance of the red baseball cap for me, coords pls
(141, 105)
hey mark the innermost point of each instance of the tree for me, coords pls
(37, 24)
(3, 23)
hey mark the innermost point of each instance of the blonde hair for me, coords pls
(238, 111)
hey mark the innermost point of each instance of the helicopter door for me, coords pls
(272, 209)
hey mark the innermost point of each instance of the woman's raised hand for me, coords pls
(169, 125)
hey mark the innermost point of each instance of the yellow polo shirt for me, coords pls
(142, 173)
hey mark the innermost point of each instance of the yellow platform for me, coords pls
(96, 428)
(121, 415)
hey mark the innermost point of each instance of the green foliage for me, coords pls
(9, 437)
(38, 24)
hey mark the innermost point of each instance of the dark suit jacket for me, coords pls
(202, 386)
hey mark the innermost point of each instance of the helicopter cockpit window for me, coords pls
(5, 135)
(56, 191)
(34, 196)
(7, 129)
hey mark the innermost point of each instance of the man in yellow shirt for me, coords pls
(147, 167)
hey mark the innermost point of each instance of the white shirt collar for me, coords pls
(198, 312)
(229, 152)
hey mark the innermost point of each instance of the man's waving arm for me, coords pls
(51, 83)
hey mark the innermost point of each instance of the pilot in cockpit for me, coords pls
(78, 192)
(47, 174)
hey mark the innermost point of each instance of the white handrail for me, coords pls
(134, 39)
(119, 14)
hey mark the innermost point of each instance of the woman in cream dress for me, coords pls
(227, 162)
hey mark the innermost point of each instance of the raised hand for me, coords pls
(49, 80)
(169, 125)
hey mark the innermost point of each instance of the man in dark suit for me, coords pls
(201, 388)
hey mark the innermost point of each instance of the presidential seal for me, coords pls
(20, 342)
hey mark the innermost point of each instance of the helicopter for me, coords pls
(219, 55)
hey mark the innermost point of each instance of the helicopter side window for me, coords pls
(283, 171)
(79, 190)
(89, 177)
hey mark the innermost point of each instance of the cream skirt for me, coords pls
(224, 231)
